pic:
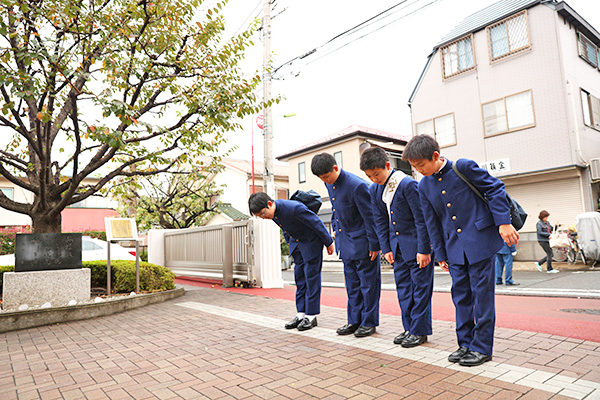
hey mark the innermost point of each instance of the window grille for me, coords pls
(458, 57)
(441, 128)
(588, 50)
(591, 109)
(508, 36)
(508, 114)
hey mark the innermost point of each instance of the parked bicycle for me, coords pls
(572, 253)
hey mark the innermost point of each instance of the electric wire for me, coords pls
(297, 71)
(247, 18)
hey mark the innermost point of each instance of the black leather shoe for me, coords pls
(458, 354)
(347, 329)
(473, 358)
(512, 284)
(363, 331)
(398, 339)
(293, 323)
(307, 324)
(414, 340)
(498, 283)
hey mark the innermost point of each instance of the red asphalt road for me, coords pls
(527, 313)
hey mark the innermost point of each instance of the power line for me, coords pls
(296, 73)
(338, 36)
(247, 18)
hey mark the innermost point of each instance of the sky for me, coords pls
(351, 80)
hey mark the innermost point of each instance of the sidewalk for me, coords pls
(231, 344)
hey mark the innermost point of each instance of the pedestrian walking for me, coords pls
(544, 229)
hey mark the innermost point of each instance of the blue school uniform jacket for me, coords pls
(459, 223)
(404, 228)
(352, 217)
(301, 228)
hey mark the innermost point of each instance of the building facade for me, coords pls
(516, 87)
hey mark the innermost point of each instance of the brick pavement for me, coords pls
(213, 344)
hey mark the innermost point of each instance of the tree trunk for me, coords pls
(46, 222)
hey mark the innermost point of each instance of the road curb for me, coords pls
(15, 320)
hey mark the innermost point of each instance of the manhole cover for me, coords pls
(581, 311)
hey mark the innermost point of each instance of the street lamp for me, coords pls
(268, 176)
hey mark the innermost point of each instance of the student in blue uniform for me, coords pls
(404, 243)
(306, 235)
(466, 234)
(356, 243)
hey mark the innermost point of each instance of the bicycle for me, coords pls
(575, 252)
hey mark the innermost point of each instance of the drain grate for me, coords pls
(581, 311)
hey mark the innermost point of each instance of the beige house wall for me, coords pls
(538, 155)
(350, 163)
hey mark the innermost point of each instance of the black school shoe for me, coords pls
(473, 358)
(347, 329)
(364, 331)
(293, 323)
(414, 341)
(307, 324)
(458, 354)
(398, 339)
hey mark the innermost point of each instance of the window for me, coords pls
(588, 50)
(442, 128)
(458, 57)
(508, 36)
(591, 109)
(8, 192)
(338, 158)
(302, 172)
(508, 114)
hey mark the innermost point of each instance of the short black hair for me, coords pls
(373, 157)
(258, 201)
(322, 163)
(420, 147)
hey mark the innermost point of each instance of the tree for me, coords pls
(174, 201)
(108, 89)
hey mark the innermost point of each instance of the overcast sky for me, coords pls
(367, 82)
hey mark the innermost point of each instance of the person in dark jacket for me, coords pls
(504, 258)
(544, 229)
(306, 235)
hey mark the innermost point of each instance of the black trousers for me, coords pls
(548, 258)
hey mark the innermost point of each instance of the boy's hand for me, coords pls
(423, 260)
(509, 234)
(330, 249)
(389, 256)
(373, 254)
(443, 265)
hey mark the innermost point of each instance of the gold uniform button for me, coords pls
(459, 230)
(454, 217)
(334, 187)
(333, 199)
(449, 205)
(391, 212)
(339, 230)
(334, 210)
(443, 192)
(439, 179)
(394, 223)
(397, 233)
(297, 240)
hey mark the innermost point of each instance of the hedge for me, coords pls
(153, 278)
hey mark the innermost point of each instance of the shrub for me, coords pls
(7, 238)
(3, 269)
(153, 278)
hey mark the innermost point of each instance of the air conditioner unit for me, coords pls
(595, 168)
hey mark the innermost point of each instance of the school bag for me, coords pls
(310, 199)
(517, 213)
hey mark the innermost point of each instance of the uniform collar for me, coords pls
(389, 176)
(446, 166)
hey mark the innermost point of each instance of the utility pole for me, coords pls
(268, 177)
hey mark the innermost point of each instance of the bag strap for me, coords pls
(468, 182)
